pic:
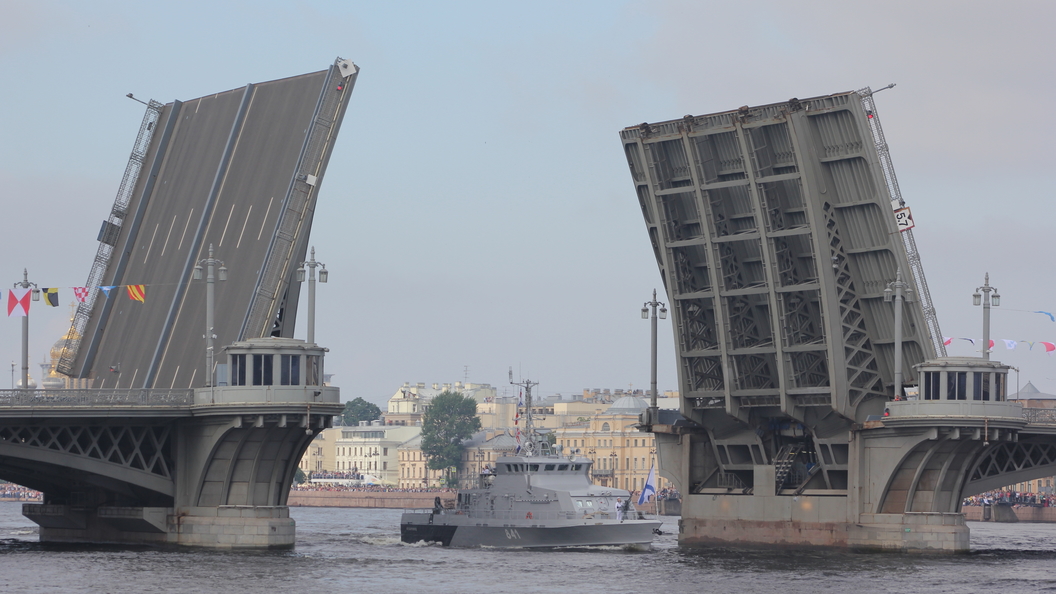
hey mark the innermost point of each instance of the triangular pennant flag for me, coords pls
(17, 303)
(1051, 317)
(106, 290)
(1010, 344)
(946, 340)
(971, 340)
(81, 293)
(51, 296)
(991, 347)
(1030, 343)
(1049, 347)
(137, 293)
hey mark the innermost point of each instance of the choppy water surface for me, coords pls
(358, 550)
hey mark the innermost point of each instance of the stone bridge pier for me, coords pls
(204, 467)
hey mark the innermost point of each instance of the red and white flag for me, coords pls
(17, 303)
(81, 293)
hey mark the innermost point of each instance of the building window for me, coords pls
(290, 370)
(262, 370)
(605, 426)
(238, 370)
(957, 385)
(931, 385)
(313, 370)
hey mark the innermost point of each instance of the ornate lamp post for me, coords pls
(986, 300)
(25, 284)
(311, 265)
(590, 454)
(901, 291)
(613, 457)
(652, 376)
(210, 299)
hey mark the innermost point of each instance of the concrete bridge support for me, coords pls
(209, 468)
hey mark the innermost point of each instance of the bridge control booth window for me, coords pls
(963, 378)
(275, 361)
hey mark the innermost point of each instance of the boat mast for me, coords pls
(529, 446)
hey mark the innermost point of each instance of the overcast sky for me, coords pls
(478, 212)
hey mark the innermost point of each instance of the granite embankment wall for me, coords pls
(974, 513)
(379, 499)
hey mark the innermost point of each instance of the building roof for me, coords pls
(628, 405)
(1029, 392)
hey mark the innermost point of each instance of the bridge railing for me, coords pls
(1040, 416)
(86, 397)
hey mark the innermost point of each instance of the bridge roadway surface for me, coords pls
(259, 133)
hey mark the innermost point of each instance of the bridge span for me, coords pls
(161, 450)
(776, 230)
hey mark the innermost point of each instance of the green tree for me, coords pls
(359, 410)
(450, 418)
(299, 477)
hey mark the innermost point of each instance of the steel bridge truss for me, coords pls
(773, 231)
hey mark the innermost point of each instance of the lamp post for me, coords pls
(590, 454)
(986, 300)
(210, 298)
(25, 284)
(652, 377)
(311, 265)
(901, 291)
(613, 457)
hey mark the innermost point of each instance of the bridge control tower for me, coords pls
(775, 233)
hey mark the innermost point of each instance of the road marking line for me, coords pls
(185, 225)
(151, 244)
(266, 213)
(224, 234)
(165, 245)
(244, 227)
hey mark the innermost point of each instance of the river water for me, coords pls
(358, 550)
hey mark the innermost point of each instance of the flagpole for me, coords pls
(25, 284)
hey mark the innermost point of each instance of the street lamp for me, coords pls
(311, 265)
(613, 457)
(25, 284)
(210, 299)
(590, 454)
(652, 377)
(986, 300)
(901, 291)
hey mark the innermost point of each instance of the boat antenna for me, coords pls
(530, 447)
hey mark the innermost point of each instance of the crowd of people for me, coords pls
(353, 474)
(13, 492)
(1013, 498)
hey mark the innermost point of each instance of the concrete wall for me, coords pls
(368, 499)
(974, 513)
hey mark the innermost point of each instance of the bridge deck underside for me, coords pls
(228, 170)
(773, 231)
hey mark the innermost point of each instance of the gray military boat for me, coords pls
(537, 498)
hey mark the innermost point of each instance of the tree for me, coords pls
(299, 477)
(450, 418)
(359, 410)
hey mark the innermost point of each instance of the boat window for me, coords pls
(590, 503)
(508, 468)
(548, 467)
(562, 467)
(579, 503)
(533, 467)
(575, 467)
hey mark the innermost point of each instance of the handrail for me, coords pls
(90, 397)
(1039, 416)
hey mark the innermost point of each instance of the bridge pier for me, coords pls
(211, 468)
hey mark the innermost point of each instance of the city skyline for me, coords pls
(477, 210)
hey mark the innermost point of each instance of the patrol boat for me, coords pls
(537, 498)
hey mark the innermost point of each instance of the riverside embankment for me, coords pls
(374, 499)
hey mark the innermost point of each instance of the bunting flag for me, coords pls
(1010, 344)
(1030, 343)
(81, 293)
(137, 293)
(1049, 347)
(17, 303)
(971, 340)
(991, 347)
(1051, 317)
(946, 340)
(51, 296)
(106, 290)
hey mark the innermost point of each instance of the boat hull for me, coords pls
(463, 531)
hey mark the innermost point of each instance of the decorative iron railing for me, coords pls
(1040, 416)
(135, 397)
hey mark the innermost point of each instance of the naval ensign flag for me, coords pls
(649, 487)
